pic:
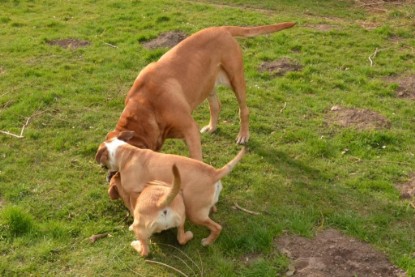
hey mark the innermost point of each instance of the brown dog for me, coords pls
(159, 105)
(157, 208)
(200, 182)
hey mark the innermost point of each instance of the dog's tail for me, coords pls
(230, 165)
(259, 30)
(166, 199)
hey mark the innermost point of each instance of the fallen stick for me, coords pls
(23, 127)
(96, 237)
(283, 108)
(245, 210)
(373, 56)
(110, 45)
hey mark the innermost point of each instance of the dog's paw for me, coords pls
(130, 228)
(136, 244)
(189, 235)
(242, 139)
(185, 238)
(207, 129)
(205, 242)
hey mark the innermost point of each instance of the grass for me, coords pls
(53, 195)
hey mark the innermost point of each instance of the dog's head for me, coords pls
(105, 155)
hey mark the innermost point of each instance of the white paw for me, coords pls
(130, 228)
(189, 235)
(242, 139)
(205, 242)
(207, 129)
(136, 244)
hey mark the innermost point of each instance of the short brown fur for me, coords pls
(199, 181)
(159, 105)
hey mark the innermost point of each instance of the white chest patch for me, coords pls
(112, 150)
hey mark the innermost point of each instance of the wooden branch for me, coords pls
(23, 127)
(373, 56)
(245, 210)
(96, 237)
(110, 45)
(283, 108)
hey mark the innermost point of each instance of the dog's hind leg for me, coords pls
(182, 236)
(141, 247)
(214, 228)
(214, 107)
(233, 66)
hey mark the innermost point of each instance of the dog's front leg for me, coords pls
(192, 139)
(141, 246)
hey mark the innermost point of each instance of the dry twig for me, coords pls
(283, 108)
(110, 45)
(96, 237)
(373, 56)
(23, 127)
(245, 210)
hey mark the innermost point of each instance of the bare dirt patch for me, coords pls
(280, 67)
(379, 6)
(356, 118)
(331, 253)
(368, 25)
(250, 258)
(406, 86)
(407, 189)
(322, 27)
(165, 40)
(69, 43)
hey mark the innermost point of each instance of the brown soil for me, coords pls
(331, 253)
(368, 25)
(406, 85)
(166, 40)
(379, 6)
(280, 67)
(69, 43)
(356, 118)
(322, 27)
(407, 189)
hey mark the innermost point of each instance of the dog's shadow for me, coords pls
(285, 164)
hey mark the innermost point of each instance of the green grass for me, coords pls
(53, 195)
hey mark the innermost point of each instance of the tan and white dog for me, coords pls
(159, 105)
(200, 182)
(157, 208)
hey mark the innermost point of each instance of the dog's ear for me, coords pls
(102, 155)
(126, 135)
(113, 189)
(113, 192)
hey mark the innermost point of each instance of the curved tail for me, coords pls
(225, 170)
(259, 30)
(166, 199)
